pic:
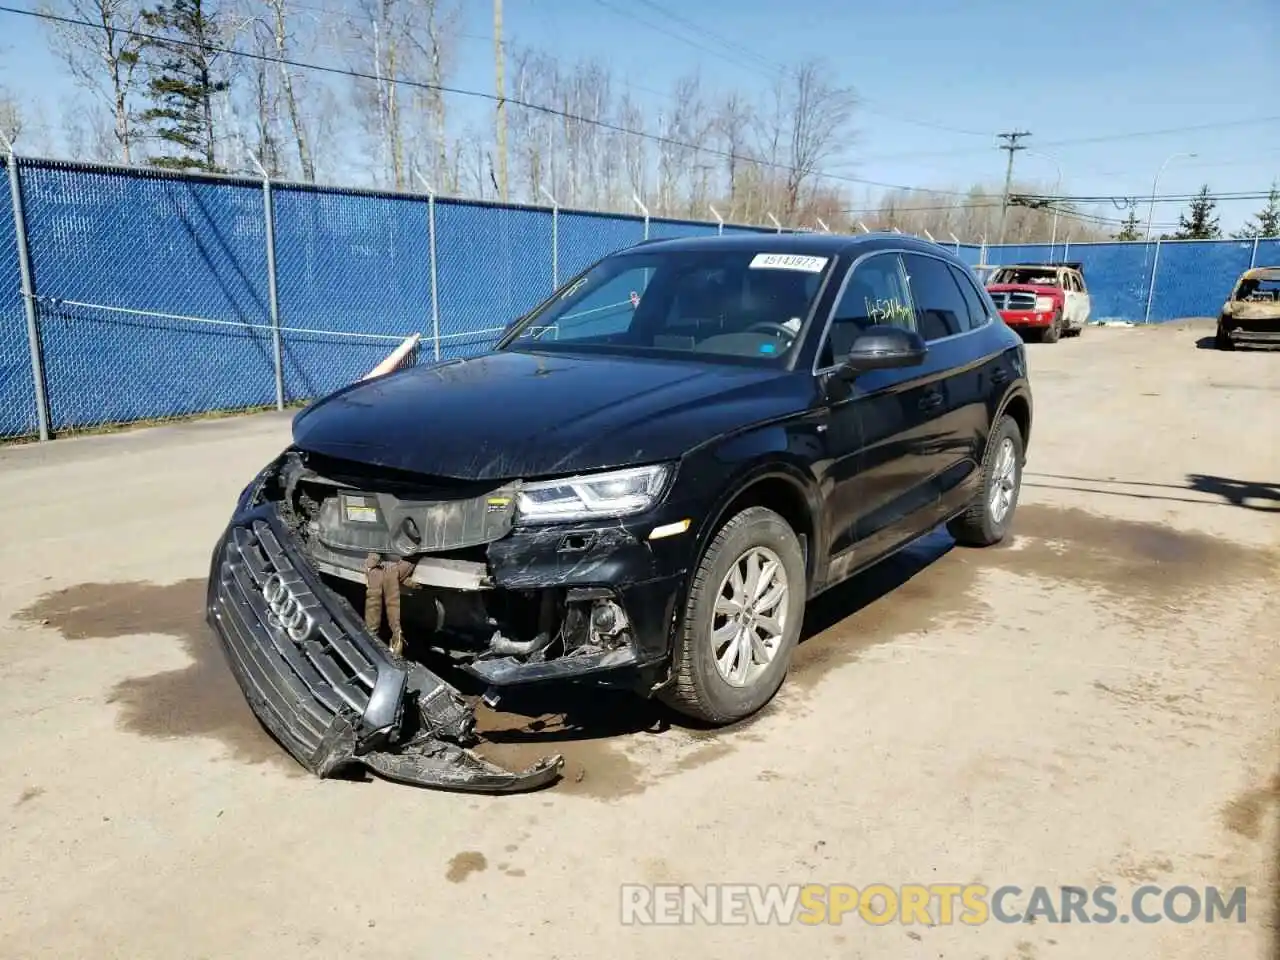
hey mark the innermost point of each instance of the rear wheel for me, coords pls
(990, 514)
(741, 621)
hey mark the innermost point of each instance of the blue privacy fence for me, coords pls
(150, 295)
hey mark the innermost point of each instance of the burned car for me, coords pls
(641, 486)
(1252, 312)
(1044, 301)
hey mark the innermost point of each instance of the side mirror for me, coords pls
(884, 348)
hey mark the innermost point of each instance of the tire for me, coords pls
(699, 688)
(1221, 341)
(1053, 331)
(981, 525)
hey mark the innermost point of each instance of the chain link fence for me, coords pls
(353, 280)
(159, 295)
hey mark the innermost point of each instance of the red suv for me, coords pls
(1043, 300)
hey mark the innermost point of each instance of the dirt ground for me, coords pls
(1096, 701)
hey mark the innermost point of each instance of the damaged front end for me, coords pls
(336, 585)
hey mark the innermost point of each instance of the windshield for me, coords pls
(1022, 275)
(730, 305)
(1259, 291)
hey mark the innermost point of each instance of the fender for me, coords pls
(767, 465)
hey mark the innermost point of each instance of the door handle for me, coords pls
(930, 400)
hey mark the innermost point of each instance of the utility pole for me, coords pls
(499, 85)
(1012, 146)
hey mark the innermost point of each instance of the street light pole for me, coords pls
(1155, 183)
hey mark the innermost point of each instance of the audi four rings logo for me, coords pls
(288, 609)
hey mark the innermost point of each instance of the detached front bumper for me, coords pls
(324, 688)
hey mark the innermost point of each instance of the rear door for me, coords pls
(1086, 304)
(943, 316)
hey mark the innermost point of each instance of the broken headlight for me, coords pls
(618, 493)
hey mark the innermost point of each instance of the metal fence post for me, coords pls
(774, 221)
(431, 253)
(1151, 287)
(273, 298)
(555, 238)
(719, 220)
(28, 291)
(1253, 257)
(1066, 250)
(643, 209)
(823, 224)
(956, 241)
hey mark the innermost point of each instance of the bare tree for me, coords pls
(278, 23)
(102, 58)
(10, 118)
(731, 126)
(975, 213)
(397, 40)
(686, 130)
(811, 125)
(635, 154)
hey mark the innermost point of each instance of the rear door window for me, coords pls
(941, 310)
(977, 315)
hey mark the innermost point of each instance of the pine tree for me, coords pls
(182, 83)
(1267, 222)
(1129, 229)
(1201, 224)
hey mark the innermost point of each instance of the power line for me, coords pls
(1071, 142)
(719, 38)
(758, 61)
(659, 28)
(1124, 202)
(479, 95)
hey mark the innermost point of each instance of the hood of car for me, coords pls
(507, 415)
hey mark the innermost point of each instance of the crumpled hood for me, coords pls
(508, 415)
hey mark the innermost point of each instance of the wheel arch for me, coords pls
(781, 487)
(1017, 404)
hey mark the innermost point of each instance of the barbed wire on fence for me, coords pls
(306, 287)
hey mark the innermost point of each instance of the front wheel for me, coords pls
(1053, 331)
(741, 621)
(1222, 340)
(990, 514)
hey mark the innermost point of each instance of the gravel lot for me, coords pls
(1097, 701)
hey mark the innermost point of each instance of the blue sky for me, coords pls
(938, 79)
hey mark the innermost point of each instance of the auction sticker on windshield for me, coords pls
(788, 261)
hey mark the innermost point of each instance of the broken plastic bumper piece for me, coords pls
(325, 689)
